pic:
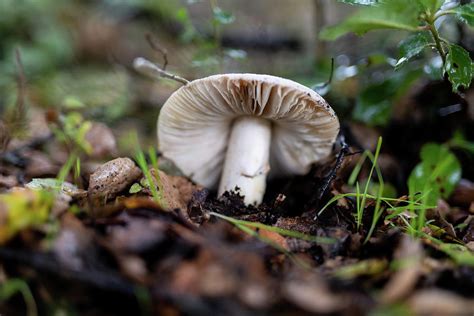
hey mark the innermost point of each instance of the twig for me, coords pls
(323, 85)
(343, 152)
(148, 68)
(340, 157)
(157, 48)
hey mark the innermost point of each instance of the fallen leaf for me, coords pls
(408, 258)
(440, 302)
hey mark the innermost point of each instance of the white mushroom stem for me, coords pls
(246, 162)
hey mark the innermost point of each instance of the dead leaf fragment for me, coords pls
(439, 302)
(409, 255)
(311, 294)
(177, 191)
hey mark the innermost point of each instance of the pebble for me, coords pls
(112, 178)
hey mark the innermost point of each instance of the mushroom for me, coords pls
(234, 129)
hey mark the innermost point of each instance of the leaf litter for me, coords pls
(183, 250)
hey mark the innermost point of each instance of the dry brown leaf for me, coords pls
(440, 302)
(408, 255)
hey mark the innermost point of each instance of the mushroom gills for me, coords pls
(247, 158)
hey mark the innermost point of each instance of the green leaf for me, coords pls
(465, 13)
(360, 2)
(459, 67)
(11, 287)
(374, 103)
(460, 141)
(135, 188)
(436, 175)
(459, 253)
(23, 209)
(431, 5)
(222, 17)
(411, 47)
(401, 15)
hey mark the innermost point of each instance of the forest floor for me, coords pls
(121, 238)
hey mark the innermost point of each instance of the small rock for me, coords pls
(112, 177)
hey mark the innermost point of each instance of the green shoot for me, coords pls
(154, 164)
(281, 231)
(140, 159)
(246, 227)
(66, 168)
(71, 131)
(435, 177)
(13, 286)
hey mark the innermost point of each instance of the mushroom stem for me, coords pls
(246, 163)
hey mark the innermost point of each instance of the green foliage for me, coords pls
(222, 17)
(141, 161)
(71, 130)
(459, 67)
(411, 47)
(459, 253)
(95, 92)
(281, 231)
(400, 14)
(465, 13)
(431, 5)
(135, 188)
(22, 209)
(433, 178)
(361, 198)
(459, 141)
(417, 16)
(374, 103)
(437, 174)
(11, 287)
(367, 267)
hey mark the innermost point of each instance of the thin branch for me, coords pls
(148, 68)
(323, 85)
(157, 48)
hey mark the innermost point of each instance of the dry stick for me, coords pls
(150, 69)
(343, 152)
(157, 48)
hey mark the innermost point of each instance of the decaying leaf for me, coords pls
(408, 264)
(21, 209)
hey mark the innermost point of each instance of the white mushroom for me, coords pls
(237, 127)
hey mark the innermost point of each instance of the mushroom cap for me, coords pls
(195, 122)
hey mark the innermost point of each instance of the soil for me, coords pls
(106, 251)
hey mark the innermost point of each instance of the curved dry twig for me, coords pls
(148, 68)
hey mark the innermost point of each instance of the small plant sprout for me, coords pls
(232, 130)
(71, 130)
